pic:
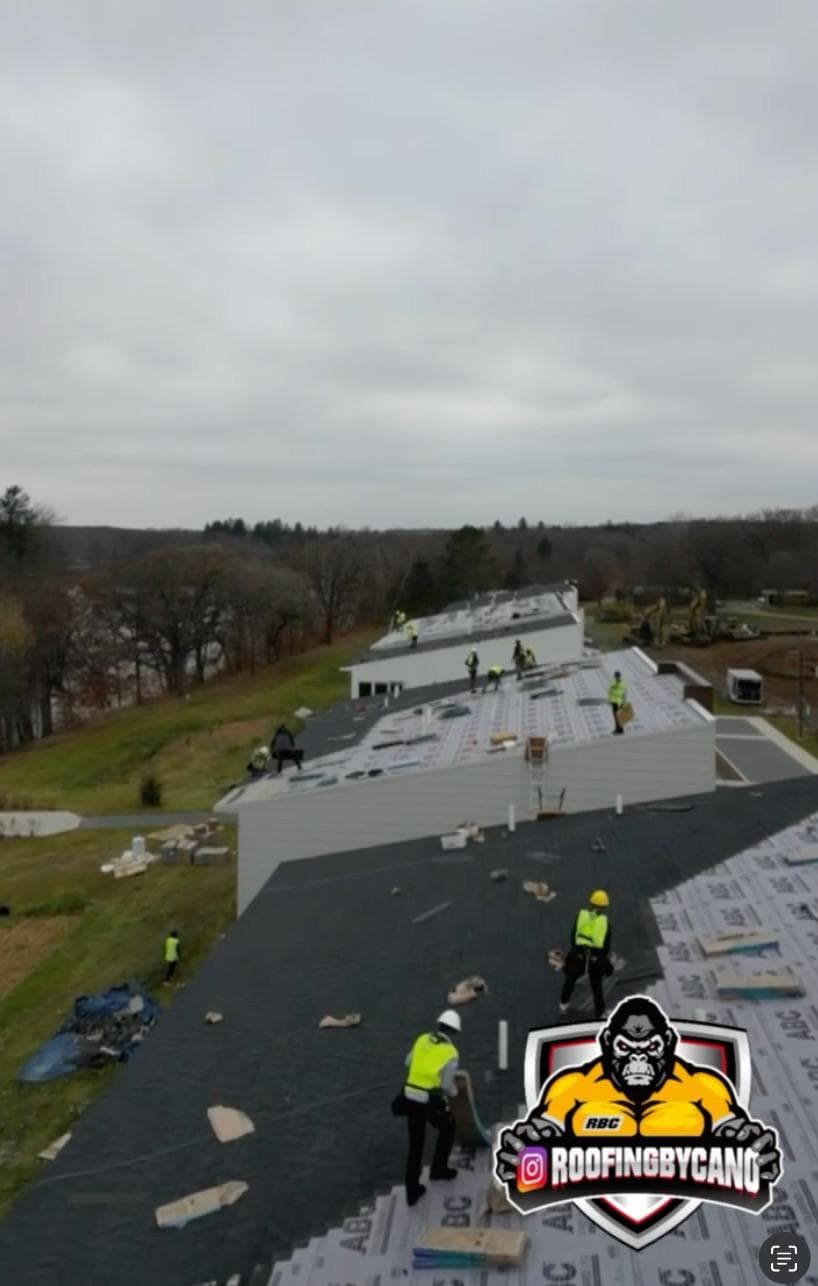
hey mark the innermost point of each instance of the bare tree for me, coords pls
(335, 570)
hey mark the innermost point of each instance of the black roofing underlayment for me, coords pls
(325, 936)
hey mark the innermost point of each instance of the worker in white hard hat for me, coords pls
(431, 1063)
(589, 952)
(259, 762)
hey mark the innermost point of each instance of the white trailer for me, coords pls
(745, 687)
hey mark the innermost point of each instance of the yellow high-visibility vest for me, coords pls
(430, 1054)
(617, 693)
(591, 930)
(171, 949)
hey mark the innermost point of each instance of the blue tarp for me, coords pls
(106, 1027)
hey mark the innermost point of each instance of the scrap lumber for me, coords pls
(500, 738)
(482, 1247)
(212, 1017)
(206, 856)
(176, 1214)
(759, 986)
(229, 1123)
(747, 940)
(54, 1149)
(348, 1020)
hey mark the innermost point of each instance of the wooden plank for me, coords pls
(802, 856)
(482, 1245)
(760, 986)
(178, 1213)
(749, 940)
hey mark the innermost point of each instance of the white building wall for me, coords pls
(441, 665)
(641, 767)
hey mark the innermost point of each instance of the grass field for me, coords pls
(195, 745)
(72, 931)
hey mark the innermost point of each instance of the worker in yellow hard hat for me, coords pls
(589, 952)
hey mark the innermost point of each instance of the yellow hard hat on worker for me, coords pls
(599, 898)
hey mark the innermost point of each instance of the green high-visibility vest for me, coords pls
(430, 1054)
(591, 930)
(617, 693)
(171, 949)
(496, 669)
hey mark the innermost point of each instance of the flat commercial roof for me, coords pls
(569, 708)
(493, 614)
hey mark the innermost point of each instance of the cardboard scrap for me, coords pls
(483, 1246)
(556, 958)
(229, 1123)
(468, 989)
(176, 1214)
(348, 1020)
(54, 1149)
(500, 874)
(395, 892)
(212, 1017)
(304, 712)
(541, 891)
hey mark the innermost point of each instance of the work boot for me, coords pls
(412, 1201)
(448, 1173)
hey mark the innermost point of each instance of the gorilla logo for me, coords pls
(638, 1047)
(638, 1088)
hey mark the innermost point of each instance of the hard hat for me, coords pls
(599, 898)
(449, 1018)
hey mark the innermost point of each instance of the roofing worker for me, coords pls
(589, 952)
(398, 620)
(412, 634)
(617, 696)
(472, 665)
(530, 658)
(173, 954)
(518, 657)
(282, 746)
(432, 1063)
(494, 676)
(259, 762)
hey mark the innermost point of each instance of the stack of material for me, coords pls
(469, 1248)
(134, 861)
(104, 1028)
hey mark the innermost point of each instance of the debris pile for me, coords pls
(104, 1028)
(540, 890)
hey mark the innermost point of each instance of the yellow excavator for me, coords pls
(696, 626)
(651, 629)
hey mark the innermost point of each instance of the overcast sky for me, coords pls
(406, 264)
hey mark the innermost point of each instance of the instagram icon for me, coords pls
(533, 1169)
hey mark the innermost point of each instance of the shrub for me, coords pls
(150, 792)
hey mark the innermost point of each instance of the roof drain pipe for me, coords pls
(512, 821)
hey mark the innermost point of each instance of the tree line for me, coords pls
(158, 612)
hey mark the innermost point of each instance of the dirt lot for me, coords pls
(776, 659)
(25, 943)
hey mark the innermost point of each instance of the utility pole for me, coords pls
(800, 695)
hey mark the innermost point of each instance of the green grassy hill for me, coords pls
(195, 745)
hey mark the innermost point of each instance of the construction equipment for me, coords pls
(651, 629)
(745, 687)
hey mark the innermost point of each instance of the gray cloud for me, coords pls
(408, 265)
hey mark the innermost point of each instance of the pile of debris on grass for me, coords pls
(104, 1028)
